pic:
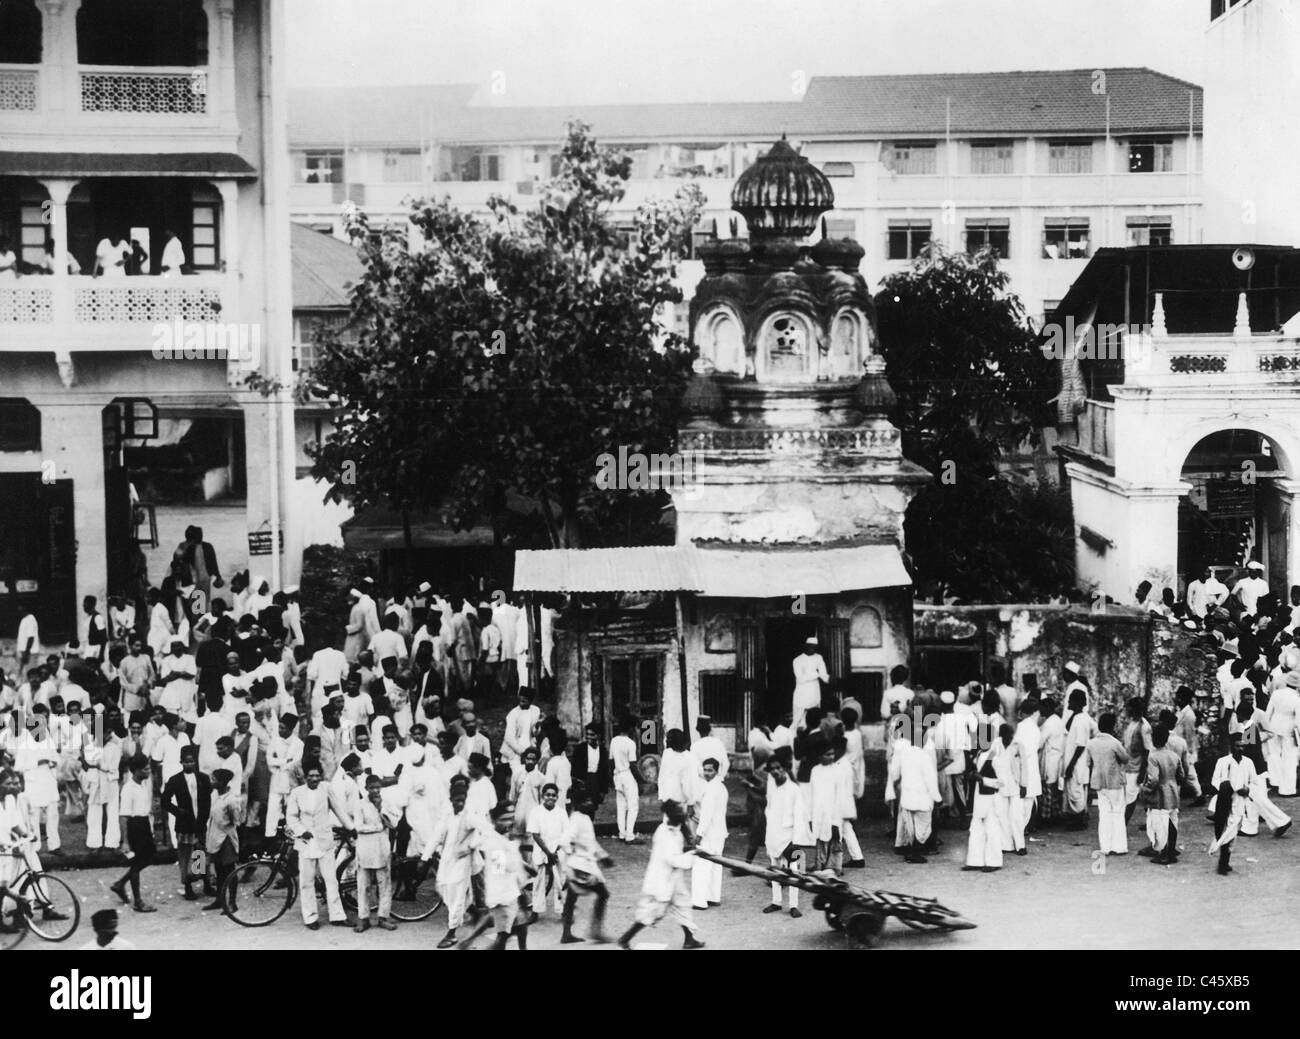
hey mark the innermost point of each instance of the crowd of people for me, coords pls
(218, 733)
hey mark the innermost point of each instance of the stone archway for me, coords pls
(1238, 505)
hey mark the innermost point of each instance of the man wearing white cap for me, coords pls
(1074, 680)
(809, 673)
(1205, 593)
(293, 616)
(1251, 587)
(1281, 719)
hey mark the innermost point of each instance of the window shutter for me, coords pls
(834, 637)
(750, 667)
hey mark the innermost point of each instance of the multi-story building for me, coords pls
(1047, 167)
(143, 181)
(1184, 391)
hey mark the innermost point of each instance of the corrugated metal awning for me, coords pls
(723, 573)
(126, 164)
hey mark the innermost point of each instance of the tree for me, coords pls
(505, 355)
(972, 386)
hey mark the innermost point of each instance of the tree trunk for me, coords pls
(408, 544)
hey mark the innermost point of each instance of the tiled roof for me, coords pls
(1002, 102)
(323, 268)
(1041, 102)
(700, 123)
(372, 116)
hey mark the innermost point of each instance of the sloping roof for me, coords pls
(1057, 101)
(369, 116)
(153, 164)
(699, 123)
(724, 573)
(323, 268)
(1040, 102)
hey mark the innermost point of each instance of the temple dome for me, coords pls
(782, 194)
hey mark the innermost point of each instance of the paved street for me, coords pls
(1051, 899)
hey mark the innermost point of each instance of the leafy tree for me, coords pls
(972, 386)
(503, 355)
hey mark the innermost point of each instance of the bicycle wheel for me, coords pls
(13, 928)
(413, 899)
(252, 897)
(347, 874)
(56, 911)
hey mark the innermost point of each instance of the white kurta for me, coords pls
(809, 673)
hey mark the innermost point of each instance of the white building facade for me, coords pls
(157, 125)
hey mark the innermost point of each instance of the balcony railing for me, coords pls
(19, 89)
(1214, 359)
(82, 313)
(172, 91)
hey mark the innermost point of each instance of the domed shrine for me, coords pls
(790, 518)
(787, 408)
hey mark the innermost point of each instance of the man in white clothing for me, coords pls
(1027, 738)
(809, 674)
(1282, 718)
(708, 746)
(1251, 588)
(664, 890)
(1205, 593)
(518, 736)
(308, 823)
(706, 877)
(627, 795)
(282, 755)
(786, 819)
(913, 782)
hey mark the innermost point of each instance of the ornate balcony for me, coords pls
(175, 91)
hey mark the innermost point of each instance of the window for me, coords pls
(403, 167)
(841, 227)
(1069, 157)
(1150, 230)
(990, 232)
(1049, 308)
(907, 238)
(20, 425)
(320, 167)
(839, 169)
(720, 697)
(1153, 156)
(1065, 238)
(992, 157)
(1218, 7)
(205, 248)
(482, 167)
(867, 686)
(912, 157)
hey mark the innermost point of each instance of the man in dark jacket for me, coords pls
(590, 761)
(188, 797)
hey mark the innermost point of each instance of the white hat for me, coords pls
(811, 640)
(1072, 667)
(291, 589)
(425, 586)
(1254, 565)
(947, 696)
(354, 593)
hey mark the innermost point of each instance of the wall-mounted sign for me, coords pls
(26, 586)
(259, 543)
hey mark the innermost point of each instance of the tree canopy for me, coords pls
(962, 358)
(502, 355)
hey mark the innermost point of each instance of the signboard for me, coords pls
(1230, 498)
(259, 543)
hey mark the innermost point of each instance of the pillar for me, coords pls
(58, 55)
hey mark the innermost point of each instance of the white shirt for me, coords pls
(388, 644)
(112, 257)
(173, 257)
(1249, 590)
(710, 747)
(622, 753)
(912, 771)
(519, 731)
(28, 629)
(895, 694)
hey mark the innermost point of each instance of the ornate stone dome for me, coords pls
(782, 194)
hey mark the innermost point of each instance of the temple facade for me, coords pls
(791, 523)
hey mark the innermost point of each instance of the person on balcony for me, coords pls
(112, 255)
(173, 256)
(47, 260)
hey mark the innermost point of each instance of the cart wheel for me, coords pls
(833, 919)
(865, 927)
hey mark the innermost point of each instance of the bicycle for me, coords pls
(59, 911)
(415, 892)
(260, 891)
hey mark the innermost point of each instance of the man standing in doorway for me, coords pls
(809, 674)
